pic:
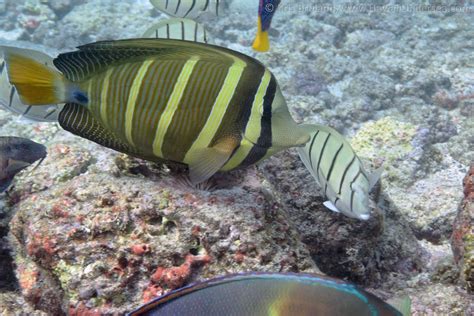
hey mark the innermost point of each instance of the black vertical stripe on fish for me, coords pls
(196, 31)
(12, 93)
(204, 85)
(265, 139)
(321, 156)
(190, 9)
(177, 7)
(206, 5)
(50, 113)
(167, 31)
(217, 7)
(2, 66)
(352, 190)
(166, 5)
(156, 33)
(28, 109)
(328, 177)
(311, 149)
(345, 173)
(182, 30)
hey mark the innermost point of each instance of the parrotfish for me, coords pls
(16, 154)
(208, 107)
(180, 29)
(187, 8)
(276, 294)
(266, 10)
(9, 100)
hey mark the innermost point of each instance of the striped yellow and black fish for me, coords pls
(180, 29)
(9, 100)
(272, 294)
(205, 106)
(187, 8)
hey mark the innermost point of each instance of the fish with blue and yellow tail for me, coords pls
(187, 8)
(275, 294)
(266, 10)
(10, 101)
(339, 172)
(208, 107)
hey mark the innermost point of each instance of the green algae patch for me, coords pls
(65, 272)
(387, 142)
(385, 138)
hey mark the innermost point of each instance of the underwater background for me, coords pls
(90, 228)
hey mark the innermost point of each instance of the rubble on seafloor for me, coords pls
(94, 231)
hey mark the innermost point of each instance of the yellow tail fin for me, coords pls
(261, 42)
(36, 83)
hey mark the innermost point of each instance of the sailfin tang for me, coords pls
(35, 82)
(204, 163)
(78, 120)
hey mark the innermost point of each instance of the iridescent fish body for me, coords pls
(16, 154)
(269, 294)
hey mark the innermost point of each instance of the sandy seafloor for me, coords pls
(88, 231)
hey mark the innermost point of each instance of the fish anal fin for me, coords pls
(205, 162)
(77, 119)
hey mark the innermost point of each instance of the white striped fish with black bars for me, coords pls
(187, 8)
(180, 29)
(339, 172)
(10, 101)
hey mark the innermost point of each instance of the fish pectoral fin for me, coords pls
(331, 206)
(402, 304)
(15, 166)
(374, 177)
(204, 163)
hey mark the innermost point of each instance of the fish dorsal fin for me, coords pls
(179, 29)
(78, 120)
(96, 57)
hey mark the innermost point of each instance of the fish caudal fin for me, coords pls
(36, 83)
(261, 42)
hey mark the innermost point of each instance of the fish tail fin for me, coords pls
(35, 82)
(261, 42)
